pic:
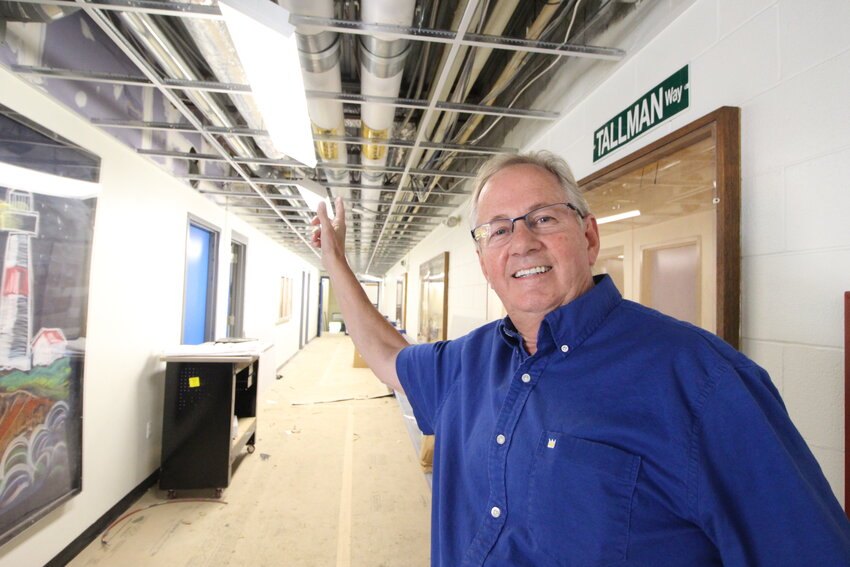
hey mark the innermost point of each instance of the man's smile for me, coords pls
(531, 271)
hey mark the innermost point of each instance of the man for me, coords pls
(584, 429)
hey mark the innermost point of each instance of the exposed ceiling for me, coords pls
(407, 98)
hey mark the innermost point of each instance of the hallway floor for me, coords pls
(330, 483)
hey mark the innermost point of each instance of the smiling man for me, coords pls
(542, 259)
(584, 429)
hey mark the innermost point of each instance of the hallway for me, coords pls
(330, 483)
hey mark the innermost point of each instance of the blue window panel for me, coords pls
(197, 285)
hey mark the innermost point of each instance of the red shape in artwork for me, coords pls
(16, 281)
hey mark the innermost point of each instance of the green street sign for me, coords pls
(653, 108)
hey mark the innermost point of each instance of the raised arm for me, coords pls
(375, 338)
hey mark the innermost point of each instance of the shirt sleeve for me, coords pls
(426, 374)
(756, 488)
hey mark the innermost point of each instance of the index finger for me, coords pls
(321, 214)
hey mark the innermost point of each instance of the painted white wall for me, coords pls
(784, 63)
(135, 311)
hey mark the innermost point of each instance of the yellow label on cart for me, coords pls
(194, 381)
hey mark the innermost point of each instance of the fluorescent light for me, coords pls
(265, 42)
(311, 198)
(313, 193)
(26, 179)
(620, 216)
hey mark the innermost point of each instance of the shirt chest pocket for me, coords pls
(580, 498)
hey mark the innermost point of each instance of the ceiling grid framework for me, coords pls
(446, 98)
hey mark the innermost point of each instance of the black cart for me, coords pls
(210, 416)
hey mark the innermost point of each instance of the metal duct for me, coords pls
(320, 69)
(171, 59)
(381, 65)
(216, 47)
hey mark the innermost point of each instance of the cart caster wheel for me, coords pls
(172, 494)
(250, 448)
(219, 492)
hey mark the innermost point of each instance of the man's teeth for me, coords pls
(532, 271)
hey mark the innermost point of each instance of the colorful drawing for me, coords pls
(43, 296)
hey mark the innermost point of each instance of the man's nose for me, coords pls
(523, 239)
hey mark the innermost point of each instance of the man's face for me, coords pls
(534, 274)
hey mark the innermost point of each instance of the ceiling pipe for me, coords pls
(415, 152)
(320, 68)
(382, 62)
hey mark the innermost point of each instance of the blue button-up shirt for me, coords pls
(628, 438)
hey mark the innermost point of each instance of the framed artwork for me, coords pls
(669, 221)
(45, 251)
(434, 299)
(284, 310)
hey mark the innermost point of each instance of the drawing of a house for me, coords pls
(48, 346)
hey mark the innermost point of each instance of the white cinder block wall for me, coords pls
(786, 64)
(135, 311)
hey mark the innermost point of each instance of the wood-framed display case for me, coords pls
(686, 187)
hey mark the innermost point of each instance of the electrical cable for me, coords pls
(531, 82)
(103, 537)
(457, 136)
(461, 83)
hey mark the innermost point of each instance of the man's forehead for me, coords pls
(521, 177)
(517, 192)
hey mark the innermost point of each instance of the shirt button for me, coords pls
(500, 439)
(526, 378)
(565, 348)
(495, 511)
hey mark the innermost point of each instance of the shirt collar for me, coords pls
(508, 332)
(570, 324)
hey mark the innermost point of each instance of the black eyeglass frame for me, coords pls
(523, 218)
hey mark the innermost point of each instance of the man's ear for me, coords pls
(591, 233)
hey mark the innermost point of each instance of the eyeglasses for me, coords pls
(543, 220)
